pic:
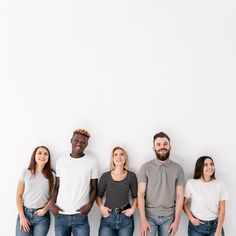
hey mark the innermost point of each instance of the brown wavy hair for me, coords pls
(47, 170)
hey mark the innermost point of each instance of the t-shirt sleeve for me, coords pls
(142, 177)
(187, 192)
(223, 192)
(57, 168)
(133, 185)
(94, 174)
(180, 178)
(102, 186)
(23, 175)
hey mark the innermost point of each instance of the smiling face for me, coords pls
(119, 158)
(79, 143)
(162, 148)
(208, 169)
(41, 156)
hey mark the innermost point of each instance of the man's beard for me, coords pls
(162, 157)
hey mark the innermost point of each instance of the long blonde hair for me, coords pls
(112, 166)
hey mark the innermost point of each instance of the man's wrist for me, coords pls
(177, 219)
(143, 219)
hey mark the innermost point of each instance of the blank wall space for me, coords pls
(123, 70)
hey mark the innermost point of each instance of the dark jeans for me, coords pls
(116, 224)
(206, 229)
(39, 225)
(76, 224)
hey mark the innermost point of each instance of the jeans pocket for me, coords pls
(127, 216)
(106, 216)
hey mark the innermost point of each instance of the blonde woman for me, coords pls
(116, 184)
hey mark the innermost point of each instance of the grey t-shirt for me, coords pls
(36, 192)
(117, 192)
(161, 180)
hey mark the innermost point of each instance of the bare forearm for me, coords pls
(99, 202)
(54, 196)
(19, 204)
(179, 202)
(134, 204)
(141, 207)
(92, 197)
(46, 208)
(19, 198)
(187, 211)
(93, 191)
(55, 191)
(221, 218)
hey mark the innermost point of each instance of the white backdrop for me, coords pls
(124, 70)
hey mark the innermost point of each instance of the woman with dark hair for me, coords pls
(117, 212)
(208, 195)
(33, 194)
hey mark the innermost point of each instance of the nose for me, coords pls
(78, 143)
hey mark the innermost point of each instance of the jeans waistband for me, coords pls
(31, 209)
(210, 221)
(120, 209)
(207, 221)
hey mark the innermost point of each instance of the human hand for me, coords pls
(173, 228)
(24, 224)
(55, 209)
(128, 212)
(105, 211)
(144, 228)
(84, 210)
(196, 221)
(40, 212)
(217, 233)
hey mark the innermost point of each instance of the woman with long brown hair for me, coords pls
(207, 196)
(33, 194)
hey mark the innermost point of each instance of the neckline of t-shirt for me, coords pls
(119, 180)
(206, 182)
(78, 158)
(166, 163)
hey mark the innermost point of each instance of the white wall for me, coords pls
(124, 70)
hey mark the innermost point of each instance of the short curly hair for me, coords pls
(82, 132)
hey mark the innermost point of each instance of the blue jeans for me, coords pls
(159, 224)
(39, 225)
(76, 224)
(116, 224)
(206, 229)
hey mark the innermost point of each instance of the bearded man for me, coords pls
(160, 191)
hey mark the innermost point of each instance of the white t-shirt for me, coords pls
(75, 175)
(205, 197)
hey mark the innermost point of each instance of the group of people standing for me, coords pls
(159, 191)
